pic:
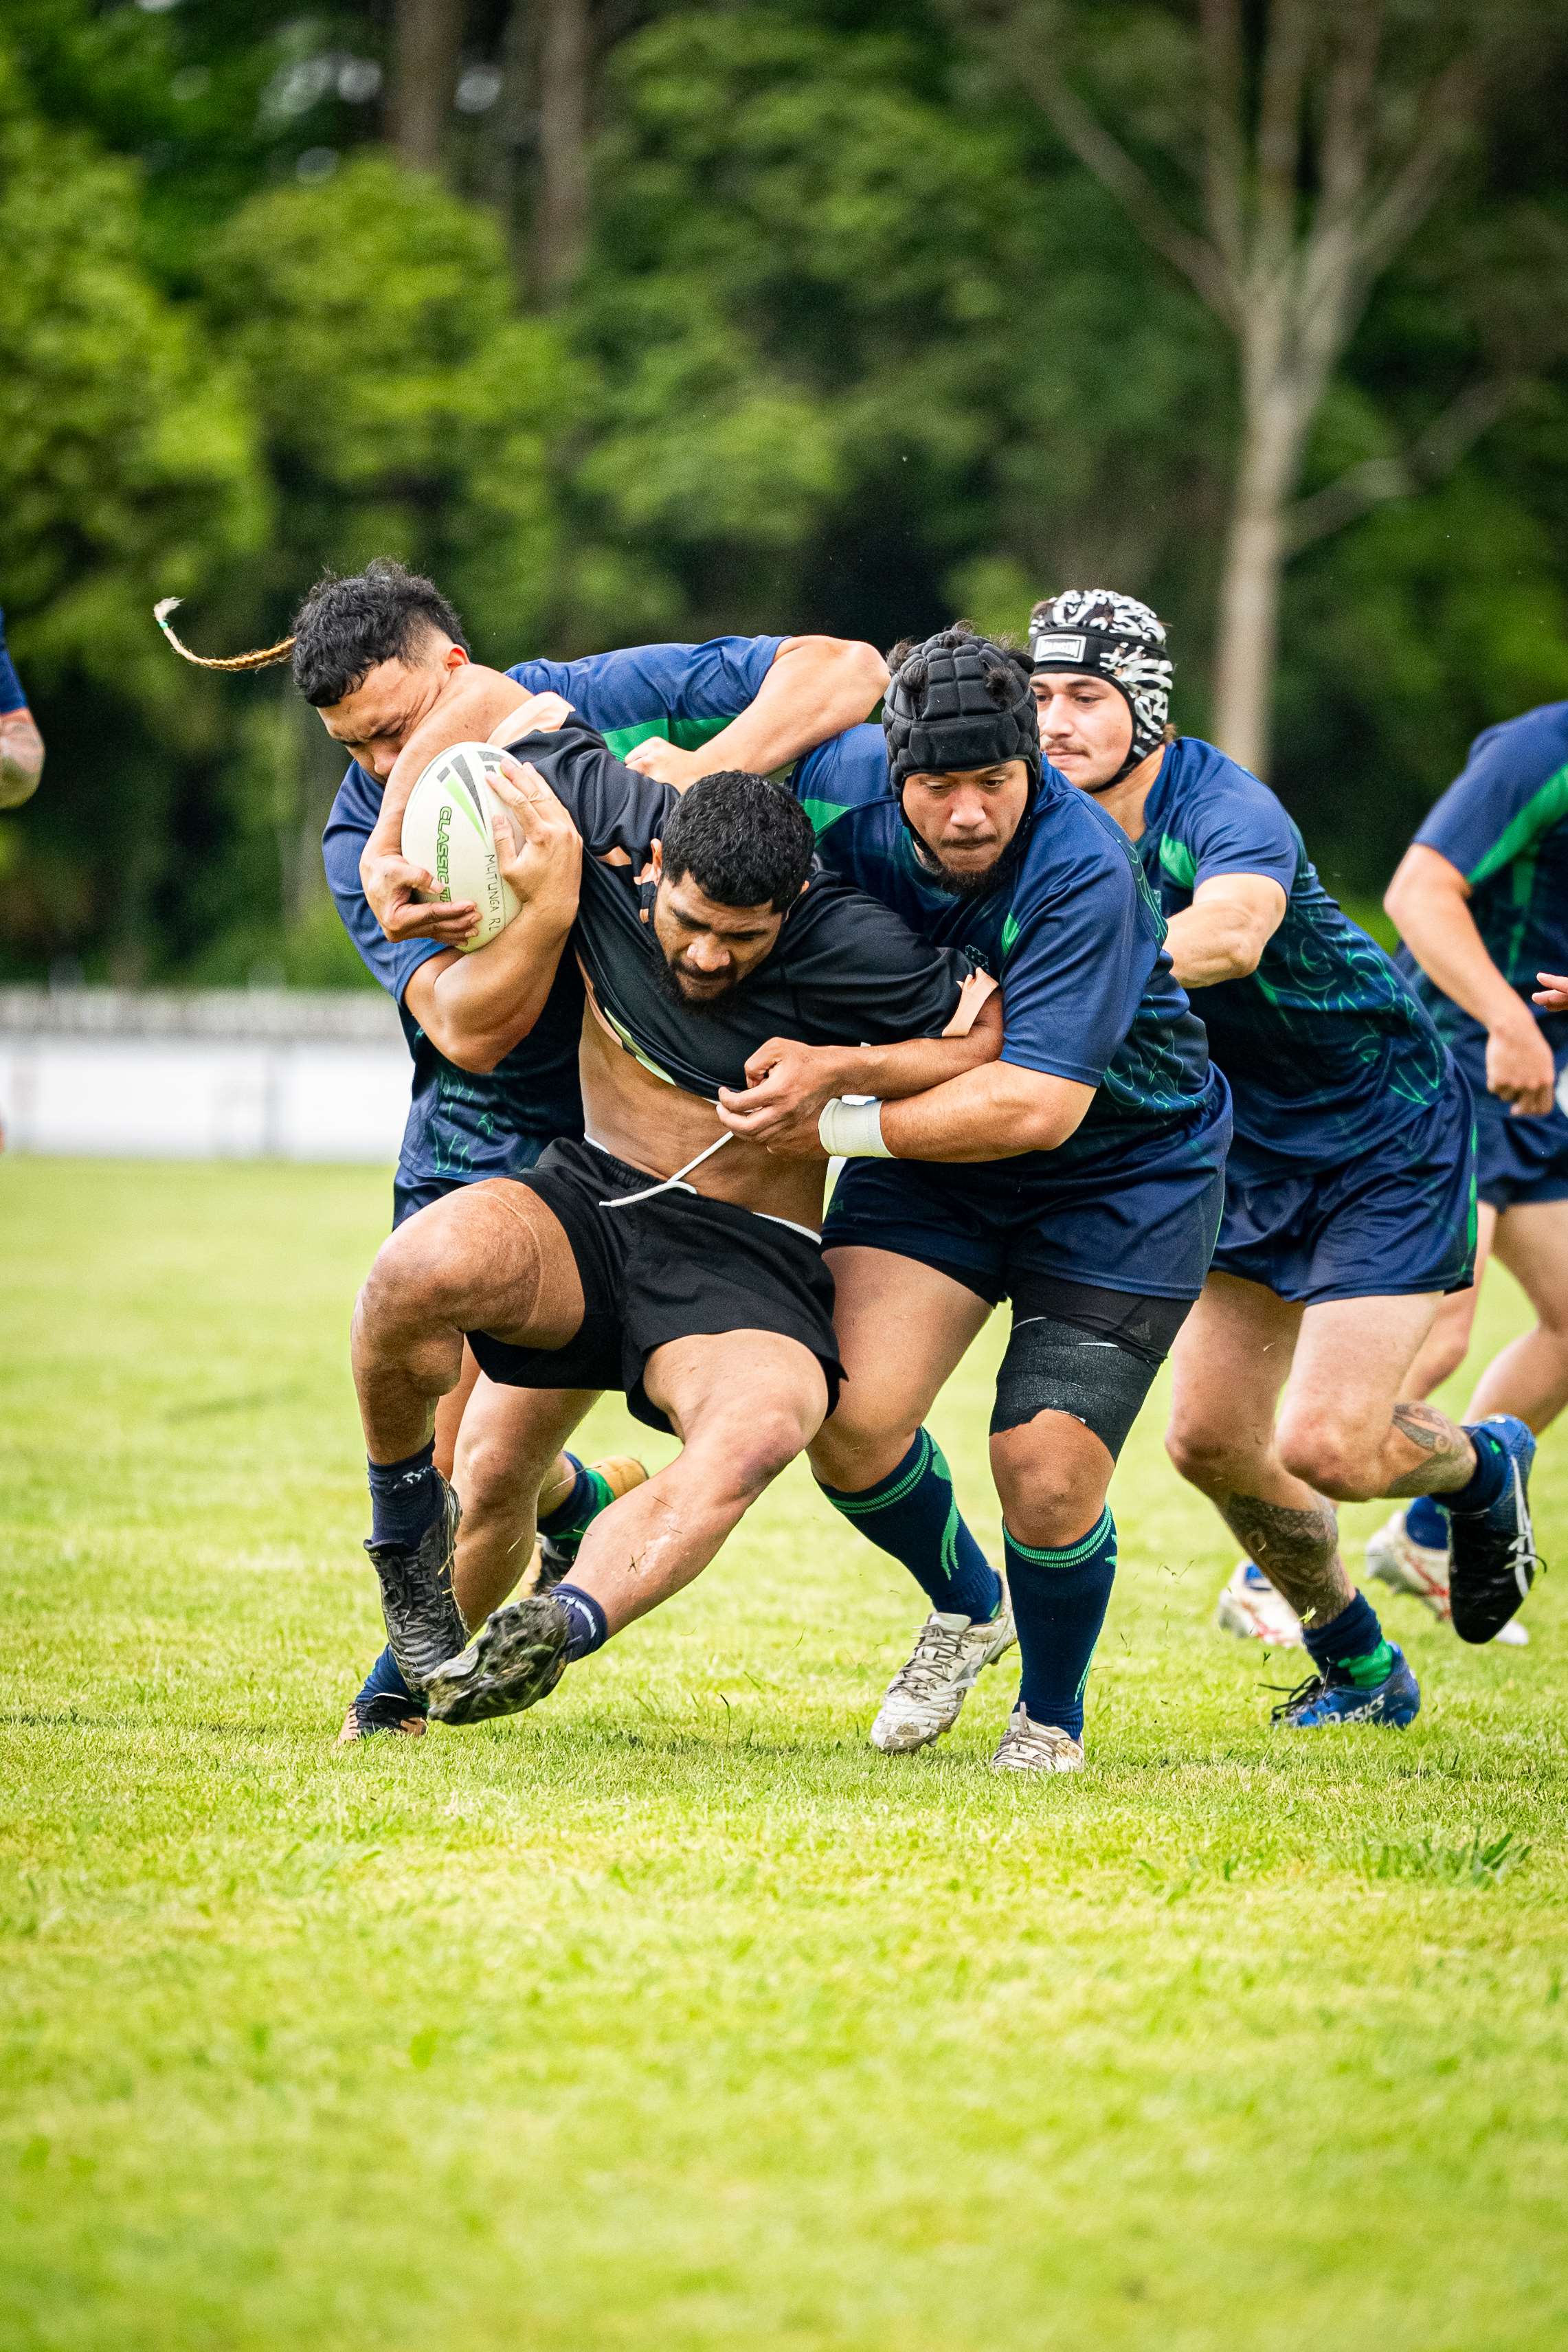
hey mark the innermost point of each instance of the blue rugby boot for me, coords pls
(1493, 1560)
(1335, 1697)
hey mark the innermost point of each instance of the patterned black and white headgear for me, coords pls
(1117, 638)
(958, 701)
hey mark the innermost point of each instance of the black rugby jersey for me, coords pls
(845, 970)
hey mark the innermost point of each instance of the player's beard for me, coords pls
(982, 885)
(669, 987)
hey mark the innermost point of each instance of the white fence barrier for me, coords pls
(226, 1074)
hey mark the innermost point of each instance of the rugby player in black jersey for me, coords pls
(659, 1254)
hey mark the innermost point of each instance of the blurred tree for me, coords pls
(427, 43)
(1280, 159)
(126, 453)
(561, 210)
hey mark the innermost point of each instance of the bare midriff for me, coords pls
(658, 1127)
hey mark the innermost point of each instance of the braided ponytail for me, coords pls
(265, 657)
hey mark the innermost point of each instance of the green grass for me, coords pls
(670, 2017)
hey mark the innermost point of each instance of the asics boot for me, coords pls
(1333, 1698)
(1396, 1559)
(924, 1697)
(516, 1658)
(424, 1623)
(1494, 1559)
(1250, 1607)
(1029, 1747)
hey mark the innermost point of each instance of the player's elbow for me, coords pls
(852, 672)
(1242, 950)
(1424, 885)
(468, 1047)
(19, 776)
(1045, 1115)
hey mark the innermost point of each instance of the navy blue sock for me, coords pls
(913, 1514)
(589, 1495)
(1059, 1601)
(1353, 1641)
(589, 1630)
(404, 1497)
(1425, 1523)
(1487, 1480)
(385, 1680)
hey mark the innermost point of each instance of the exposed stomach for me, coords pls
(660, 1127)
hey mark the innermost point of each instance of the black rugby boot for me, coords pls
(424, 1623)
(516, 1658)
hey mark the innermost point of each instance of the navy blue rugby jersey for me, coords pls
(1503, 822)
(466, 1124)
(844, 971)
(1325, 1047)
(1075, 937)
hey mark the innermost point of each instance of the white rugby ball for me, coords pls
(447, 830)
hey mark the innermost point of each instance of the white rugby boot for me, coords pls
(1250, 1606)
(1396, 1559)
(924, 1697)
(1037, 1746)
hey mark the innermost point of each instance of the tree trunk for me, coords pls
(1277, 413)
(564, 63)
(426, 41)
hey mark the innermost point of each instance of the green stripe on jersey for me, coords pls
(1544, 809)
(686, 734)
(1178, 862)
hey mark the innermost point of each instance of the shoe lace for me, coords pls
(1040, 1738)
(1299, 1695)
(936, 1653)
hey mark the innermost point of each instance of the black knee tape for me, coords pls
(1056, 1367)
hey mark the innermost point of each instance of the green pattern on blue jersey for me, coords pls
(1503, 822)
(1075, 935)
(1325, 1047)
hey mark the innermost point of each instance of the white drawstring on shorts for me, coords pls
(669, 1183)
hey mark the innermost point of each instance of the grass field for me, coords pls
(670, 2016)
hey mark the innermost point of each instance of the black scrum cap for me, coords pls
(959, 701)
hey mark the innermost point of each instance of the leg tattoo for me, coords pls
(1446, 1457)
(1298, 1552)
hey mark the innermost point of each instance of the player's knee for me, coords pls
(1204, 1454)
(415, 1282)
(741, 1455)
(1051, 1486)
(1342, 1462)
(859, 1444)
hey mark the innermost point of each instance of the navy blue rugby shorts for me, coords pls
(409, 1195)
(1397, 1222)
(1518, 1161)
(1141, 1225)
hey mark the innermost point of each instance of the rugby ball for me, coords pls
(447, 830)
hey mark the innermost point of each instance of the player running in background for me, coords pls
(1349, 1193)
(1480, 900)
(656, 1255)
(21, 745)
(384, 657)
(1094, 1152)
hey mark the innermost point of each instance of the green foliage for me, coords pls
(404, 410)
(856, 346)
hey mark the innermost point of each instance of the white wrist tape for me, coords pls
(850, 1128)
